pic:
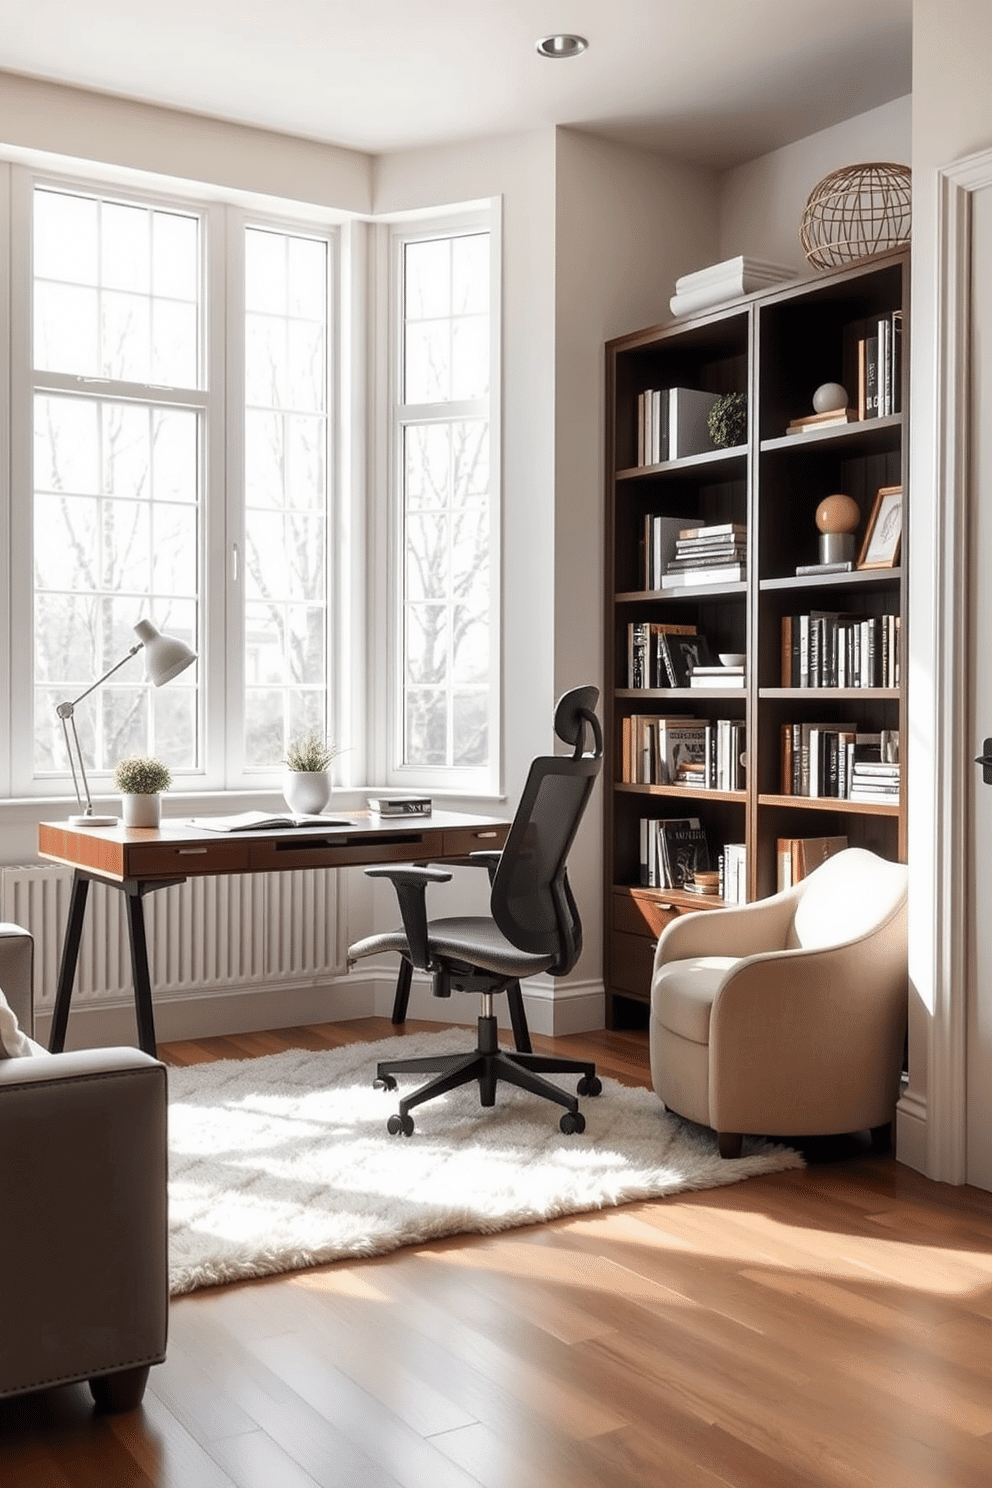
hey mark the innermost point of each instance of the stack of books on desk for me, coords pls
(400, 805)
(708, 555)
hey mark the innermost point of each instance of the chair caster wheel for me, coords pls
(383, 1082)
(400, 1126)
(573, 1123)
(590, 1085)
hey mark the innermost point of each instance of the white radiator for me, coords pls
(208, 934)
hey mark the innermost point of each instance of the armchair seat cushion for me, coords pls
(684, 992)
(474, 940)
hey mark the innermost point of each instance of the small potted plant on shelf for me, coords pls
(306, 783)
(140, 780)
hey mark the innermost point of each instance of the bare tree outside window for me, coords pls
(117, 307)
(286, 491)
(446, 499)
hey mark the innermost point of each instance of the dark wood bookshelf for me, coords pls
(777, 347)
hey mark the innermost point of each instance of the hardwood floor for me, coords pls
(826, 1327)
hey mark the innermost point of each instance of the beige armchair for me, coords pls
(787, 1017)
(83, 1215)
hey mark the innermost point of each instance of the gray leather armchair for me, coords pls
(83, 1216)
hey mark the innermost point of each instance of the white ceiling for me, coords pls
(711, 81)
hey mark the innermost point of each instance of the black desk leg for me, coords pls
(67, 967)
(139, 966)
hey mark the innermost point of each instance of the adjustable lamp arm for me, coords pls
(66, 712)
(166, 658)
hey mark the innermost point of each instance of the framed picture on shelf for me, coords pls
(883, 534)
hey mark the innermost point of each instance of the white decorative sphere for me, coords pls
(829, 397)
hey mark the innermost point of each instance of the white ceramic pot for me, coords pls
(306, 791)
(142, 811)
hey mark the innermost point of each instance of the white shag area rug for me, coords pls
(283, 1162)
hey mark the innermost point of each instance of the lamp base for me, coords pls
(93, 821)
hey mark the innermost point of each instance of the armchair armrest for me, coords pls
(83, 1223)
(410, 881)
(815, 1038)
(746, 930)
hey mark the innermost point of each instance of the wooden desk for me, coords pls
(139, 860)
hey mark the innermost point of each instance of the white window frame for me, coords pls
(483, 781)
(221, 608)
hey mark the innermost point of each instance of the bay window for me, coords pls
(172, 412)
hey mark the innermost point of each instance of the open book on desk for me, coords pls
(261, 821)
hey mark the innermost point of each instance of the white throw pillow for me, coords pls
(13, 1043)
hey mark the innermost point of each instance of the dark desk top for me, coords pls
(178, 849)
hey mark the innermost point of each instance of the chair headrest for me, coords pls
(576, 710)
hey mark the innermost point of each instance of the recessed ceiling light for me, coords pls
(561, 46)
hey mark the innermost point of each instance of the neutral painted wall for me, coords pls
(761, 202)
(627, 224)
(84, 126)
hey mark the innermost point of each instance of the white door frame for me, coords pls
(932, 1115)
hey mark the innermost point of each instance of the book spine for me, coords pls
(871, 377)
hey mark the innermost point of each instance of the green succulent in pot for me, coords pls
(141, 775)
(141, 780)
(306, 784)
(310, 752)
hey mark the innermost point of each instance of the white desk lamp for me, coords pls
(165, 657)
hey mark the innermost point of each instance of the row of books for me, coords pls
(675, 854)
(671, 423)
(879, 359)
(829, 649)
(672, 749)
(663, 655)
(672, 851)
(837, 761)
(796, 857)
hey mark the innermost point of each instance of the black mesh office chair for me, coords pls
(534, 928)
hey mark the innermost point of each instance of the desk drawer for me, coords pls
(361, 848)
(461, 841)
(161, 860)
(641, 914)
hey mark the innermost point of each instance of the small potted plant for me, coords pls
(140, 780)
(306, 784)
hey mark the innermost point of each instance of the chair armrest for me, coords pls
(16, 973)
(746, 930)
(804, 1041)
(83, 1224)
(410, 881)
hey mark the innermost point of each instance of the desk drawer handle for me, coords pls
(189, 852)
(483, 835)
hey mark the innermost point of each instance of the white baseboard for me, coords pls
(553, 1009)
(911, 1132)
(208, 1015)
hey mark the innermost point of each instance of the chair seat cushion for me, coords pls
(473, 940)
(683, 992)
